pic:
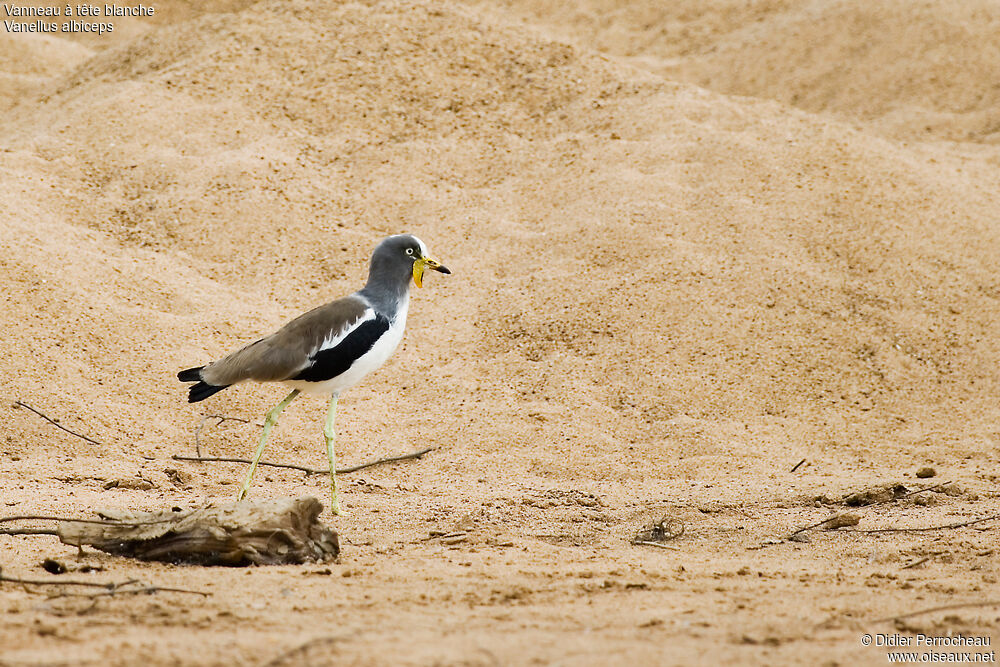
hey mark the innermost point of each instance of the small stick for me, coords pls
(28, 531)
(132, 591)
(111, 586)
(796, 466)
(891, 500)
(54, 422)
(913, 493)
(197, 434)
(224, 418)
(919, 562)
(815, 525)
(66, 582)
(658, 545)
(201, 425)
(389, 459)
(300, 651)
(926, 528)
(229, 459)
(308, 471)
(947, 607)
(102, 522)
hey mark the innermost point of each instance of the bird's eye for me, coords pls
(409, 251)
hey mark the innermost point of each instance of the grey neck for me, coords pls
(388, 286)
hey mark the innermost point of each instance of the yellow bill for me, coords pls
(423, 263)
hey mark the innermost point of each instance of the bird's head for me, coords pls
(406, 250)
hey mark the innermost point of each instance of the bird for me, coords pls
(329, 349)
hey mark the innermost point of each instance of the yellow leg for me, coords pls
(269, 422)
(328, 433)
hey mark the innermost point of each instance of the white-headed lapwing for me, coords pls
(329, 349)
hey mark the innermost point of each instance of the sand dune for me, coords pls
(914, 71)
(691, 246)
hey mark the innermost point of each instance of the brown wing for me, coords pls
(284, 353)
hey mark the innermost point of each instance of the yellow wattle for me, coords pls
(418, 273)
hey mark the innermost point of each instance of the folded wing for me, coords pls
(295, 348)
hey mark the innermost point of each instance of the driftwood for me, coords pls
(280, 531)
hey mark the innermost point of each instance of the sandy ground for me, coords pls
(693, 244)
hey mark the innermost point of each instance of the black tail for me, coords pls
(201, 390)
(190, 375)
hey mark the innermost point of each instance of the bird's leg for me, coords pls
(328, 433)
(269, 422)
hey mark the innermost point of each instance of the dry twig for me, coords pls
(307, 471)
(233, 459)
(111, 587)
(947, 607)
(838, 516)
(913, 493)
(54, 422)
(916, 563)
(296, 654)
(659, 545)
(201, 425)
(948, 526)
(139, 590)
(103, 522)
(825, 521)
(796, 466)
(28, 531)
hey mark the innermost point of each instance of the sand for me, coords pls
(691, 247)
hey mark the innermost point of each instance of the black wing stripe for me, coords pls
(330, 363)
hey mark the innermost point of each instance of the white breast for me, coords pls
(370, 361)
